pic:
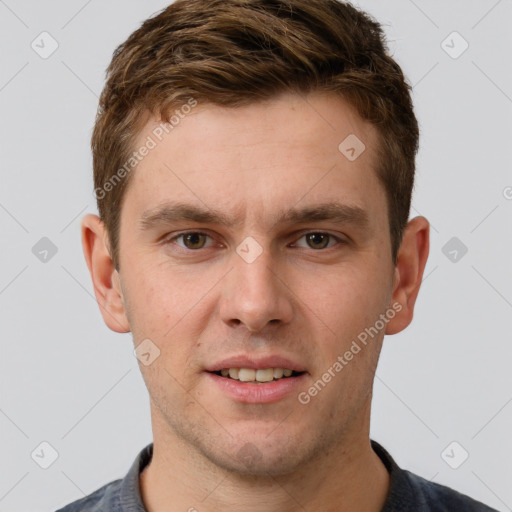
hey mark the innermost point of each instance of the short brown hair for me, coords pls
(236, 52)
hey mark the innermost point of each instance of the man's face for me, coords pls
(257, 285)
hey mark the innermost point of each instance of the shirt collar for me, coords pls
(130, 497)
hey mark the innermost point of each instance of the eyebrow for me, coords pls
(175, 212)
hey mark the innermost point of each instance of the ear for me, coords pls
(105, 278)
(411, 261)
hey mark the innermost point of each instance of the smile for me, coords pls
(257, 375)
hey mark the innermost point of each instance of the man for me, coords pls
(253, 165)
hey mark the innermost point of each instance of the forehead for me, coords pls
(269, 155)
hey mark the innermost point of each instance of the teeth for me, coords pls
(246, 375)
(278, 373)
(251, 375)
(265, 375)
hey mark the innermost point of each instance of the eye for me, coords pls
(191, 240)
(318, 240)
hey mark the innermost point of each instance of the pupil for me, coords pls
(193, 239)
(318, 239)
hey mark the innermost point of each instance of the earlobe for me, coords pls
(411, 261)
(103, 274)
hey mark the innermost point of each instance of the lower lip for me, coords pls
(251, 393)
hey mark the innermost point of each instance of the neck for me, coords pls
(349, 477)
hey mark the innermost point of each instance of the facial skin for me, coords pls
(302, 302)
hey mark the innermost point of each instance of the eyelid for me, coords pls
(339, 240)
(174, 237)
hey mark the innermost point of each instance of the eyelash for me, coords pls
(182, 234)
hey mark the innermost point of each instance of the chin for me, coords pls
(250, 461)
(259, 454)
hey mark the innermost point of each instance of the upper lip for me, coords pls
(255, 362)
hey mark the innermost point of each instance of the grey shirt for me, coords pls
(407, 491)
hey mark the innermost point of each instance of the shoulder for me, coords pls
(440, 498)
(118, 495)
(408, 491)
(102, 499)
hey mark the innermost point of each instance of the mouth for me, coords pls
(257, 375)
(257, 380)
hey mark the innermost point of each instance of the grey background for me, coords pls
(67, 380)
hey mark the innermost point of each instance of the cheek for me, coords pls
(168, 303)
(155, 300)
(344, 300)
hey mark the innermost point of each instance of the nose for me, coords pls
(255, 295)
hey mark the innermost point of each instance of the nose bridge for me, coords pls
(253, 294)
